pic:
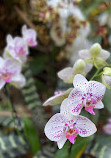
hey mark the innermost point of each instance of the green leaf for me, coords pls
(79, 146)
(101, 147)
(37, 66)
(107, 100)
(31, 135)
(63, 153)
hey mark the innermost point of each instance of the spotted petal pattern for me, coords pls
(54, 128)
(85, 126)
(97, 89)
(80, 82)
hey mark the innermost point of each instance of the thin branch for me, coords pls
(24, 17)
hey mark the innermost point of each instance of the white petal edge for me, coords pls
(54, 128)
(64, 109)
(99, 105)
(62, 141)
(85, 126)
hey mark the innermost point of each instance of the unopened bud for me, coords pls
(79, 66)
(107, 71)
(95, 50)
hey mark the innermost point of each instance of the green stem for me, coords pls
(70, 148)
(96, 74)
(10, 105)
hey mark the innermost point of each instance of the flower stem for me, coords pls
(12, 109)
(70, 148)
(96, 74)
(10, 105)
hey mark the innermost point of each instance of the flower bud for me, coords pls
(106, 77)
(95, 50)
(107, 71)
(79, 66)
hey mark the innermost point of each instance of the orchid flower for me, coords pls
(86, 94)
(68, 73)
(95, 55)
(57, 98)
(63, 126)
(16, 48)
(29, 36)
(10, 73)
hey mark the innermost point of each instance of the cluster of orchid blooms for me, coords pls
(63, 23)
(14, 57)
(68, 124)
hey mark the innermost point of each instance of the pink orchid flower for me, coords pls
(63, 126)
(86, 94)
(10, 73)
(29, 36)
(16, 48)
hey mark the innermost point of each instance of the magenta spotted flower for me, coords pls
(10, 72)
(29, 36)
(86, 94)
(16, 48)
(63, 126)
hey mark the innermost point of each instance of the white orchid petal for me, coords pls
(75, 107)
(18, 80)
(2, 62)
(76, 94)
(85, 126)
(64, 109)
(87, 68)
(104, 55)
(96, 89)
(9, 39)
(13, 66)
(80, 82)
(84, 54)
(99, 105)
(54, 128)
(2, 83)
(66, 75)
(62, 141)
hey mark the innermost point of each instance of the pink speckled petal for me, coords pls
(96, 89)
(62, 141)
(75, 107)
(64, 109)
(76, 94)
(99, 105)
(55, 127)
(12, 66)
(80, 82)
(90, 109)
(85, 126)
